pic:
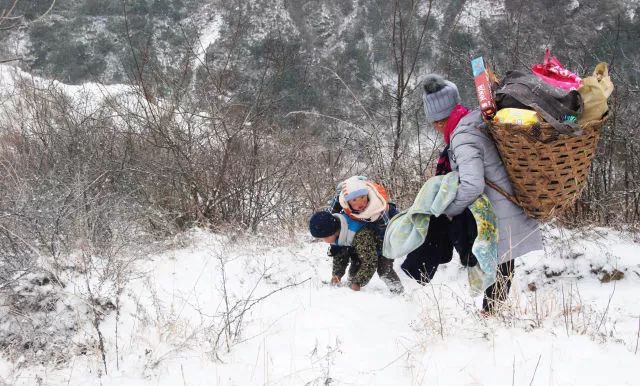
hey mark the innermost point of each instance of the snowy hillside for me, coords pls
(127, 128)
(281, 324)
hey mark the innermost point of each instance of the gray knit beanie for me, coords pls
(439, 96)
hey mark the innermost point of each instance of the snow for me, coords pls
(306, 332)
(90, 94)
(475, 11)
(16, 86)
(210, 33)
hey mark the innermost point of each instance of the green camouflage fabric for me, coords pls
(365, 244)
(364, 260)
(341, 261)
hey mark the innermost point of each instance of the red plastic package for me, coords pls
(552, 72)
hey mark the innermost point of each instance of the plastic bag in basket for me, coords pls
(553, 73)
(594, 92)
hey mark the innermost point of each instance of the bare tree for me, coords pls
(408, 31)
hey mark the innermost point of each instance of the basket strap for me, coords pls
(498, 189)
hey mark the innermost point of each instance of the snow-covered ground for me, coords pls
(566, 324)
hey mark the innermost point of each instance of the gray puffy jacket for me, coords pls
(474, 155)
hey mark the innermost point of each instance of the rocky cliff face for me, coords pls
(305, 40)
(90, 40)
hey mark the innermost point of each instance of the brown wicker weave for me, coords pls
(547, 171)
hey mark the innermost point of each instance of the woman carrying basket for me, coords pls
(474, 155)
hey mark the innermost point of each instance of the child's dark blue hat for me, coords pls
(323, 224)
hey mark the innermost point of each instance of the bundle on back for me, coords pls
(547, 135)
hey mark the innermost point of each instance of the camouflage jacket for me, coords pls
(363, 254)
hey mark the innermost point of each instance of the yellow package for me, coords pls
(516, 116)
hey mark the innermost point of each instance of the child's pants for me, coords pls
(385, 270)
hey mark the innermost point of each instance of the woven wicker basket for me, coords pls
(547, 171)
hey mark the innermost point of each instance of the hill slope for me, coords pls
(285, 326)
